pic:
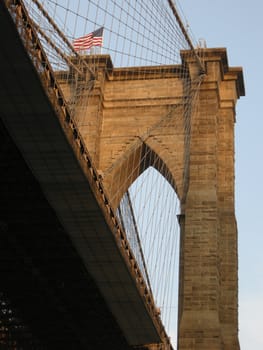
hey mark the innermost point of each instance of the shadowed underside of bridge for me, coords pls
(46, 282)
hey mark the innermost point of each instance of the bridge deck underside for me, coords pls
(54, 236)
(41, 273)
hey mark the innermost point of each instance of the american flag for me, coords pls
(87, 41)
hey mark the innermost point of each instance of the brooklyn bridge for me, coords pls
(117, 222)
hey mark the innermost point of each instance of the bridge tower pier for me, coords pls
(122, 107)
(208, 317)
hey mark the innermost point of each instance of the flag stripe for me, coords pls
(87, 41)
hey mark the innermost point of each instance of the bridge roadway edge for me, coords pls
(28, 115)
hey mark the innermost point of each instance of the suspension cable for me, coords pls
(62, 36)
(187, 38)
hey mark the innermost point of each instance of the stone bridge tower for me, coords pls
(123, 105)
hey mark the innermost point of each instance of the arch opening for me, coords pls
(133, 162)
(148, 213)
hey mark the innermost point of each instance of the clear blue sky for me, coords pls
(237, 25)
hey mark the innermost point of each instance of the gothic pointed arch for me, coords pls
(130, 166)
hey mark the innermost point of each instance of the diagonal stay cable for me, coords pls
(187, 38)
(61, 35)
